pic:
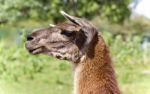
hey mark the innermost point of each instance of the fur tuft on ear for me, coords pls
(52, 25)
(70, 18)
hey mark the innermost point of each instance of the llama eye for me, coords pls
(68, 33)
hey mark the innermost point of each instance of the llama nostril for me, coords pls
(57, 56)
(29, 38)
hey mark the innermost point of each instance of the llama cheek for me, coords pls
(64, 50)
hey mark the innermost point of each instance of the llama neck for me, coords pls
(95, 75)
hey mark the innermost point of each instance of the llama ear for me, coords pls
(88, 29)
(70, 18)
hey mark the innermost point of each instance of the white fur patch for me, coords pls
(52, 25)
(82, 58)
(77, 74)
(76, 78)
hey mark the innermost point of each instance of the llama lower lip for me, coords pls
(36, 51)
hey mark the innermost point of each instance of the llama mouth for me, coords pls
(36, 50)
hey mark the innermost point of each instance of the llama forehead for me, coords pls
(56, 36)
(55, 30)
(68, 27)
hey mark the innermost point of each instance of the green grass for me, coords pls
(133, 79)
(54, 79)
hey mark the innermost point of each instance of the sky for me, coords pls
(141, 7)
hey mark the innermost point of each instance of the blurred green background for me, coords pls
(22, 73)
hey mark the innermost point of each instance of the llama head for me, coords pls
(67, 41)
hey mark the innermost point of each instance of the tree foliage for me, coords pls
(12, 10)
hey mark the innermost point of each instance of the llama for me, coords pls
(79, 42)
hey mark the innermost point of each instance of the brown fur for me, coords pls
(96, 75)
